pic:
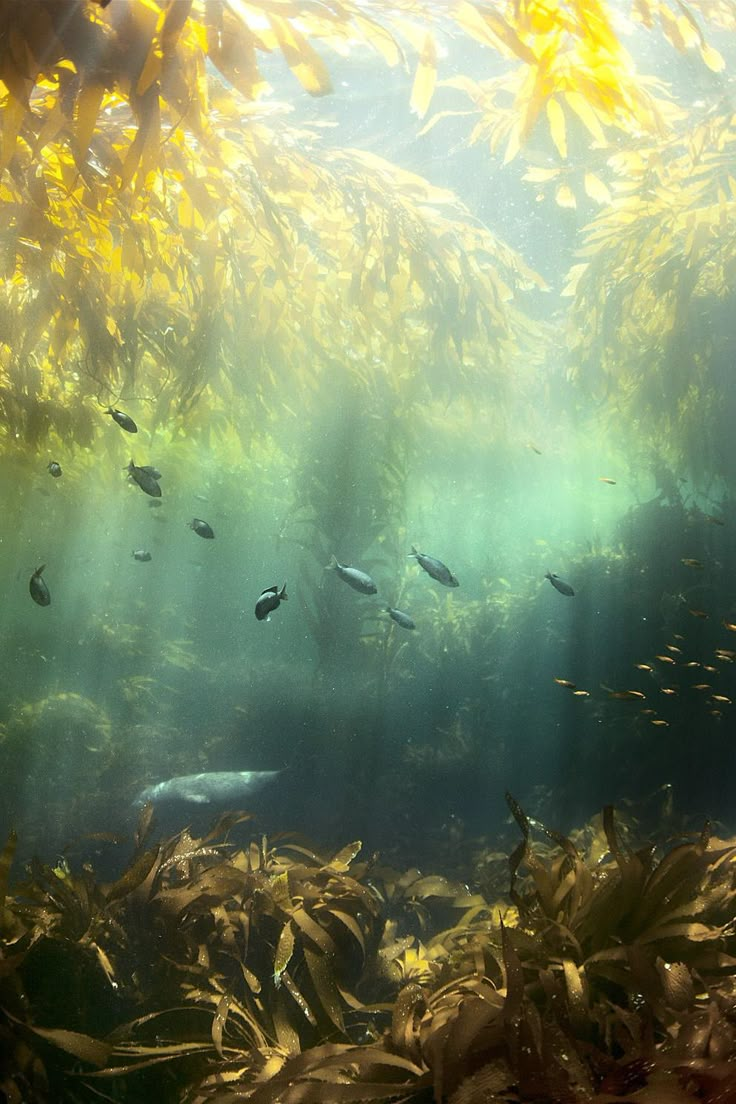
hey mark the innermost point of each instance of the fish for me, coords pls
(728, 625)
(151, 471)
(565, 682)
(581, 693)
(643, 667)
(721, 698)
(269, 600)
(605, 479)
(155, 503)
(124, 420)
(142, 556)
(435, 568)
(664, 659)
(627, 695)
(534, 448)
(54, 468)
(39, 591)
(660, 722)
(699, 613)
(715, 520)
(689, 562)
(400, 618)
(358, 580)
(202, 529)
(210, 788)
(560, 584)
(144, 478)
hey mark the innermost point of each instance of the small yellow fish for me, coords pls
(699, 613)
(581, 694)
(673, 648)
(702, 686)
(664, 659)
(643, 667)
(660, 722)
(715, 520)
(729, 625)
(565, 682)
(534, 448)
(689, 562)
(711, 670)
(692, 663)
(605, 479)
(721, 698)
(627, 695)
(670, 690)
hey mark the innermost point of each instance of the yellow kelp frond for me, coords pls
(572, 76)
(152, 55)
(245, 264)
(656, 271)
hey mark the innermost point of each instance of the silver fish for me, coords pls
(358, 580)
(210, 788)
(141, 555)
(400, 618)
(54, 468)
(145, 479)
(435, 568)
(560, 584)
(270, 600)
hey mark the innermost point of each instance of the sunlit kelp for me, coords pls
(657, 335)
(268, 972)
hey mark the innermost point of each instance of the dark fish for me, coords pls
(201, 528)
(54, 468)
(124, 420)
(141, 556)
(400, 618)
(155, 504)
(39, 591)
(214, 787)
(151, 471)
(269, 600)
(145, 480)
(560, 584)
(435, 568)
(358, 580)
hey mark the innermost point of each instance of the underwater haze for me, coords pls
(366, 413)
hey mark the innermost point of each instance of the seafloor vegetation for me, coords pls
(216, 971)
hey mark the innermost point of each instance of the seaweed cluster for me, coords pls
(215, 971)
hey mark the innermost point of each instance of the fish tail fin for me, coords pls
(548, 574)
(283, 595)
(413, 551)
(332, 564)
(40, 570)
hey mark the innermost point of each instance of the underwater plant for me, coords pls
(266, 971)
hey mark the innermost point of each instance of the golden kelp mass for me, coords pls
(271, 972)
(159, 220)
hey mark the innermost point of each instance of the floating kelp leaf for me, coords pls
(134, 876)
(320, 969)
(284, 951)
(313, 931)
(342, 860)
(94, 1051)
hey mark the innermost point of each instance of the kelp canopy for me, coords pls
(168, 237)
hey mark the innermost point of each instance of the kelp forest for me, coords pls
(368, 651)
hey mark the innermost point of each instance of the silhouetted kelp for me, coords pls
(211, 971)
